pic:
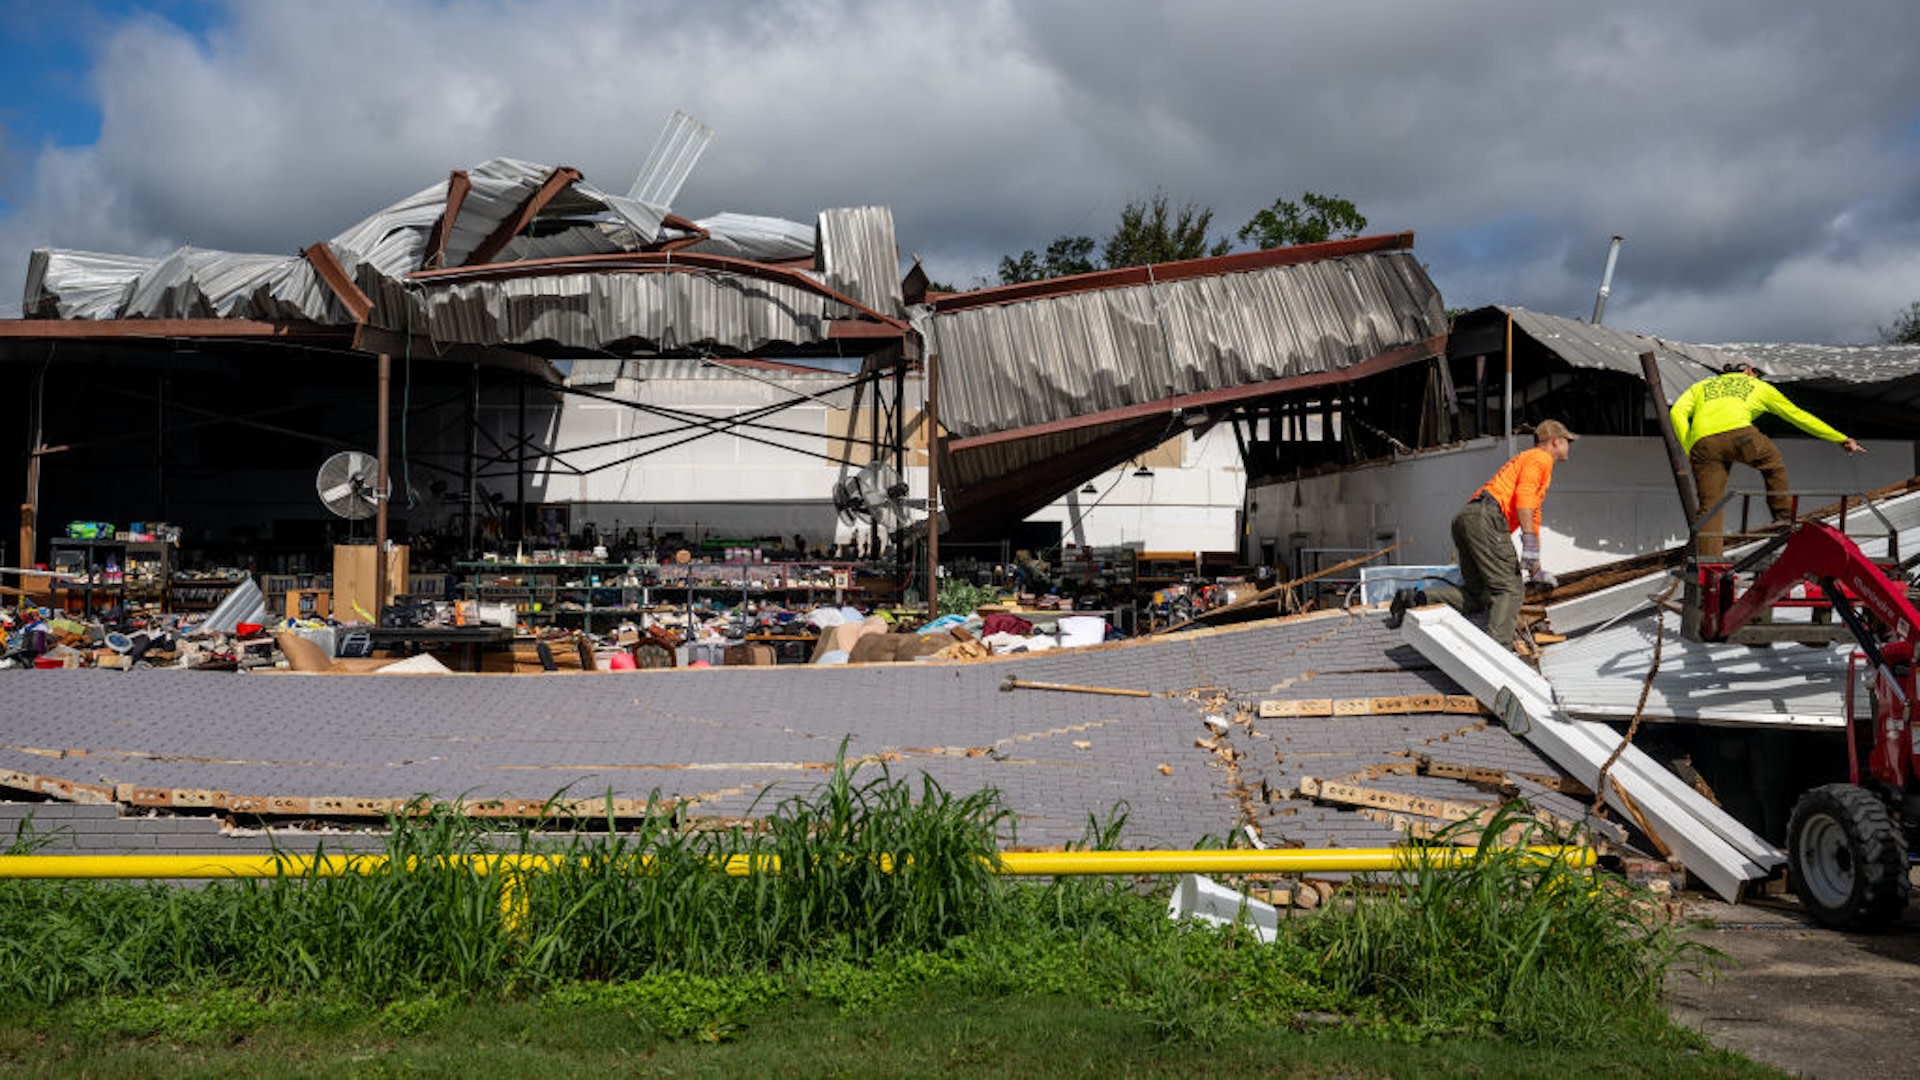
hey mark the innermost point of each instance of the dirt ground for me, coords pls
(1808, 1000)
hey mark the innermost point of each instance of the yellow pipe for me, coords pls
(1016, 863)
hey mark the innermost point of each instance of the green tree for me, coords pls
(1066, 255)
(1153, 232)
(1315, 218)
(1906, 327)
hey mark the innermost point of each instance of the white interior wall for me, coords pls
(1612, 498)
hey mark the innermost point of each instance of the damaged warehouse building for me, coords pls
(597, 415)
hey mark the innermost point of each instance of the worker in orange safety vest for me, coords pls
(1492, 579)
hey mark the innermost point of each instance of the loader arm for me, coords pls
(1817, 552)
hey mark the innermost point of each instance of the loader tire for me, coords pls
(1847, 859)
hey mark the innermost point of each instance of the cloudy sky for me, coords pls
(1761, 157)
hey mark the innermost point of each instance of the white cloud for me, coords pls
(1760, 157)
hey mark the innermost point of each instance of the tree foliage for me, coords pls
(1066, 255)
(1315, 218)
(1906, 327)
(1153, 232)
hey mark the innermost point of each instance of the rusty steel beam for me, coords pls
(1174, 271)
(159, 329)
(530, 208)
(321, 257)
(458, 186)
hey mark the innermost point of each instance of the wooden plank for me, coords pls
(1388, 706)
(1454, 770)
(1352, 707)
(1463, 703)
(1399, 802)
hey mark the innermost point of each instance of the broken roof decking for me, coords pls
(720, 739)
(512, 253)
(1045, 383)
(1599, 674)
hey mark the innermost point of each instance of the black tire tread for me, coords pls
(1881, 888)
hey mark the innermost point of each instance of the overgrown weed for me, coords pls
(885, 891)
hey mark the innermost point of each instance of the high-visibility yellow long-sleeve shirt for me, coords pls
(1730, 401)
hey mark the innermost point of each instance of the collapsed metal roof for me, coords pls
(1609, 672)
(1045, 383)
(518, 254)
(1890, 368)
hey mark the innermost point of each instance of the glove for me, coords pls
(1542, 578)
(1529, 551)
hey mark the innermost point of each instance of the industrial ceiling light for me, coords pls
(1089, 489)
(1143, 471)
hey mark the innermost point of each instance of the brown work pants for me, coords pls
(1714, 456)
(1489, 569)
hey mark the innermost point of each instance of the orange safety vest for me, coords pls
(1521, 486)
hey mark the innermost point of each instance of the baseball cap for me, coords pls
(1552, 429)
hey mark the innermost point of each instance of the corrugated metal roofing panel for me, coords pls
(858, 257)
(600, 371)
(393, 241)
(1017, 365)
(1682, 364)
(747, 236)
(1586, 345)
(1600, 674)
(663, 311)
(80, 284)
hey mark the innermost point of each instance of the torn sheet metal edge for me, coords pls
(1693, 828)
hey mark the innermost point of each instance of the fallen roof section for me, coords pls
(1708, 841)
(1052, 381)
(1599, 672)
(1233, 735)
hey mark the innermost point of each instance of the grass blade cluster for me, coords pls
(1533, 948)
(884, 892)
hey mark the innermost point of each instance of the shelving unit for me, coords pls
(590, 592)
(148, 571)
(92, 572)
(200, 593)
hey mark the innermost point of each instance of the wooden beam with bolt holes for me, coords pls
(1398, 802)
(1371, 706)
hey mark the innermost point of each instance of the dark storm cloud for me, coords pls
(1760, 158)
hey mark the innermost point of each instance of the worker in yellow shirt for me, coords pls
(1490, 575)
(1714, 421)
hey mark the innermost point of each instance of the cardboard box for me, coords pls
(353, 580)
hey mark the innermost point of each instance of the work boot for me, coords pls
(1397, 611)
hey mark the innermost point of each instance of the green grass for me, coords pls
(936, 1033)
(884, 946)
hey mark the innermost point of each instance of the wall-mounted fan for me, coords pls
(350, 484)
(875, 495)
